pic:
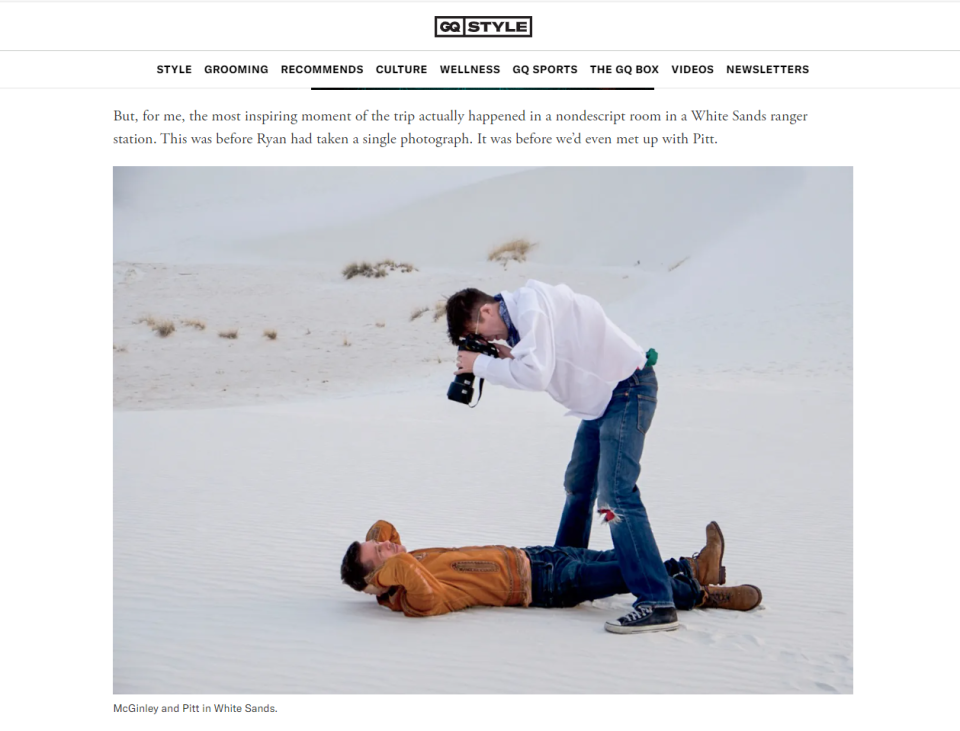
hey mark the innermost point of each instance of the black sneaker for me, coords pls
(645, 619)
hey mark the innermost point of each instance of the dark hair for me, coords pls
(462, 311)
(352, 571)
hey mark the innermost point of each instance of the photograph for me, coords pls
(458, 430)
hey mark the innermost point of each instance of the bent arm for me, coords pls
(422, 596)
(534, 357)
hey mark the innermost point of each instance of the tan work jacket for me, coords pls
(432, 581)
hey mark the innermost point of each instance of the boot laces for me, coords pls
(720, 595)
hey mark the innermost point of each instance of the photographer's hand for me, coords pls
(465, 361)
(503, 350)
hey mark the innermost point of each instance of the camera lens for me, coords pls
(461, 390)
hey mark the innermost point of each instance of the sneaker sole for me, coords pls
(619, 630)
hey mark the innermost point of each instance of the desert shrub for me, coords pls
(417, 311)
(358, 269)
(439, 309)
(375, 271)
(195, 323)
(229, 334)
(163, 327)
(270, 334)
(515, 250)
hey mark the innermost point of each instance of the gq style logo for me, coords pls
(483, 26)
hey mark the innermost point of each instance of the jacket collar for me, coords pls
(513, 337)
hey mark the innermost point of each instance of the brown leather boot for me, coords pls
(739, 598)
(706, 561)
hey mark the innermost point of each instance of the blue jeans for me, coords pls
(564, 577)
(604, 467)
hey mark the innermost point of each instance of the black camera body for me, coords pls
(461, 390)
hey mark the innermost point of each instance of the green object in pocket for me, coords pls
(651, 357)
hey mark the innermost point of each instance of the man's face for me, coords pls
(489, 325)
(376, 553)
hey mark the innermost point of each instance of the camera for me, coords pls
(461, 389)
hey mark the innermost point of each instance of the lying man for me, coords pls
(434, 581)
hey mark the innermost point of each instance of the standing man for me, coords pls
(561, 342)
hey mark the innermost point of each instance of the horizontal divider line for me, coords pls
(484, 50)
(481, 88)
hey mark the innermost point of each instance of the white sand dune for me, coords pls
(243, 468)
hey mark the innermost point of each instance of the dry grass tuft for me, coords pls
(381, 324)
(163, 327)
(195, 323)
(375, 271)
(160, 327)
(346, 341)
(515, 250)
(229, 334)
(119, 348)
(417, 312)
(440, 309)
(670, 269)
(358, 269)
(271, 334)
